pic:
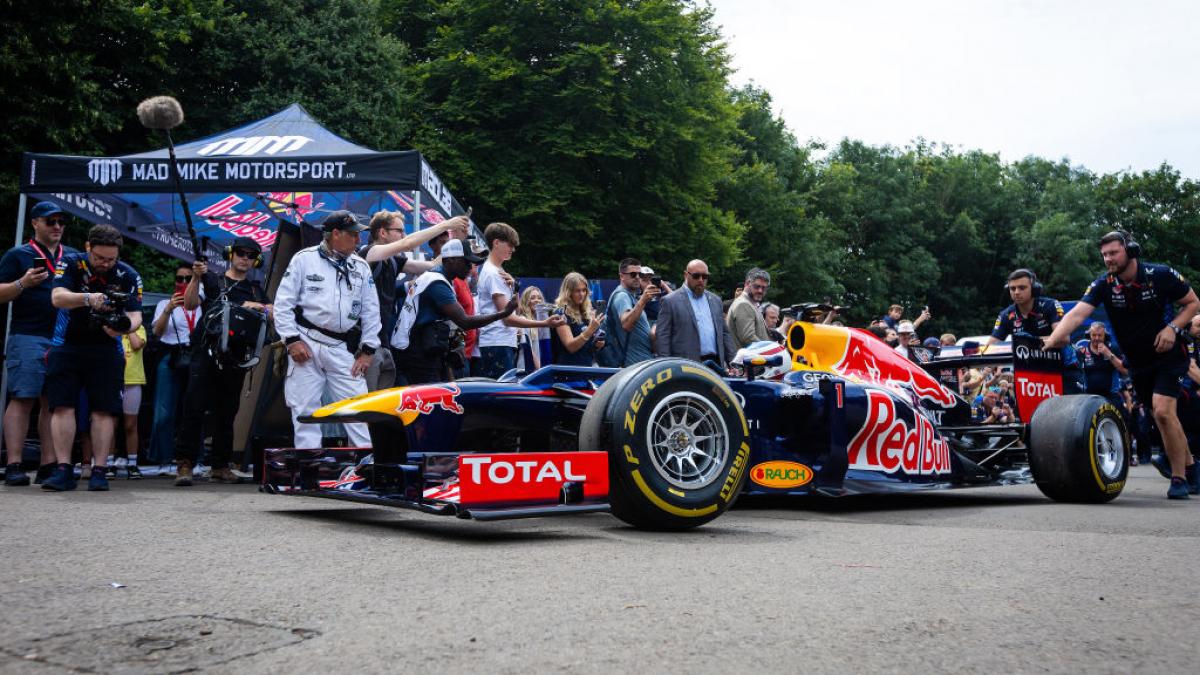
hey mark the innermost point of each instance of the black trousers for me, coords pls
(416, 370)
(211, 390)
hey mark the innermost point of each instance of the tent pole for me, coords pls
(417, 216)
(8, 327)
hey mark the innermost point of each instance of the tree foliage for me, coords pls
(598, 128)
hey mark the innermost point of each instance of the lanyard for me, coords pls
(46, 255)
(190, 316)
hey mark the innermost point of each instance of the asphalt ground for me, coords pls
(221, 578)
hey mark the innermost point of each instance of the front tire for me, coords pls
(677, 440)
(1079, 449)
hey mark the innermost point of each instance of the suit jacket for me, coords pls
(676, 333)
(746, 323)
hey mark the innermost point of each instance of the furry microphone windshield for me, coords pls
(160, 112)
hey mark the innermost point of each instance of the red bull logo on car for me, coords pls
(875, 362)
(422, 399)
(888, 443)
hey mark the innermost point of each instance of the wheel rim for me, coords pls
(688, 440)
(1110, 449)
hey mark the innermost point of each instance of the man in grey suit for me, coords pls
(690, 324)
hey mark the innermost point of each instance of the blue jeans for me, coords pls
(496, 361)
(168, 395)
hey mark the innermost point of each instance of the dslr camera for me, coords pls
(115, 318)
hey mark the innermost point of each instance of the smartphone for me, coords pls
(598, 306)
(40, 262)
(656, 280)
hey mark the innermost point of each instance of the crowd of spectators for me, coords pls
(459, 313)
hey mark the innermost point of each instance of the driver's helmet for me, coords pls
(766, 348)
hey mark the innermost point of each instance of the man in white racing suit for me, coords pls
(327, 312)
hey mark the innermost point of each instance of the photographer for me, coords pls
(102, 299)
(214, 379)
(26, 277)
(991, 409)
(422, 336)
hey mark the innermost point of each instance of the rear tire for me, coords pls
(1079, 449)
(677, 442)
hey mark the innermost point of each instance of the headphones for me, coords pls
(1034, 284)
(258, 259)
(1132, 248)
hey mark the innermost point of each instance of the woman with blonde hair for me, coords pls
(575, 343)
(529, 356)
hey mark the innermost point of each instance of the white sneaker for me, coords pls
(86, 472)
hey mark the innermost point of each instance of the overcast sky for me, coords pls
(1110, 85)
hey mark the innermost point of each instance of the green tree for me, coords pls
(599, 128)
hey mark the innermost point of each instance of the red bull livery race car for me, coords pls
(669, 444)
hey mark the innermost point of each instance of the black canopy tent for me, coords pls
(255, 180)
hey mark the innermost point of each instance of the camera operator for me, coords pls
(1138, 298)
(100, 299)
(26, 276)
(1038, 315)
(422, 336)
(327, 312)
(214, 379)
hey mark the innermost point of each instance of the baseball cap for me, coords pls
(646, 271)
(906, 327)
(933, 343)
(342, 220)
(246, 243)
(45, 209)
(454, 249)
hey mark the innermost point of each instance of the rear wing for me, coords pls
(1037, 373)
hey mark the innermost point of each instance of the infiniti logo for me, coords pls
(104, 171)
(1022, 352)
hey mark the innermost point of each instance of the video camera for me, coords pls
(114, 319)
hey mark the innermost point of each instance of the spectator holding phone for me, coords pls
(26, 275)
(991, 410)
(576, 342)
(172, 325)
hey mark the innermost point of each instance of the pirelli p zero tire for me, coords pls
(1079, 449)
(677, 442)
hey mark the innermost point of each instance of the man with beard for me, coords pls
(1139, 299)
(746, 324)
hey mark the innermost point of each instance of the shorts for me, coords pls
(26, 365)
(98, 370)
(1161, 377)
(131, 399)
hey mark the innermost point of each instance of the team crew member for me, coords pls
(87, 349)
(1139, 298)
(1037, 315)
(1103, 367)
(327, 312)
(1189, 407)
(213, 386)
(422, 333)
(26, 276)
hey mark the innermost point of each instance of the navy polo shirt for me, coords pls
(1140, 309)
(32, 313)
(72, 326)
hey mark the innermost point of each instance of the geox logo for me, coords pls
(104, 171)
(253, 145)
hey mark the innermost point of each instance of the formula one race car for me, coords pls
(669, 444)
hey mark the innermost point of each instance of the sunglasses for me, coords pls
(697, 276)
(183, 280)
(243, 253)
(61, 222)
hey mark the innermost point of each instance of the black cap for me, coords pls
(246, 243)
(342, 220)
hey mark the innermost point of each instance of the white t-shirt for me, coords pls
(177, 332)
(495, 334)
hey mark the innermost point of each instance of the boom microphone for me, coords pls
(160, 112)
(165, 113)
